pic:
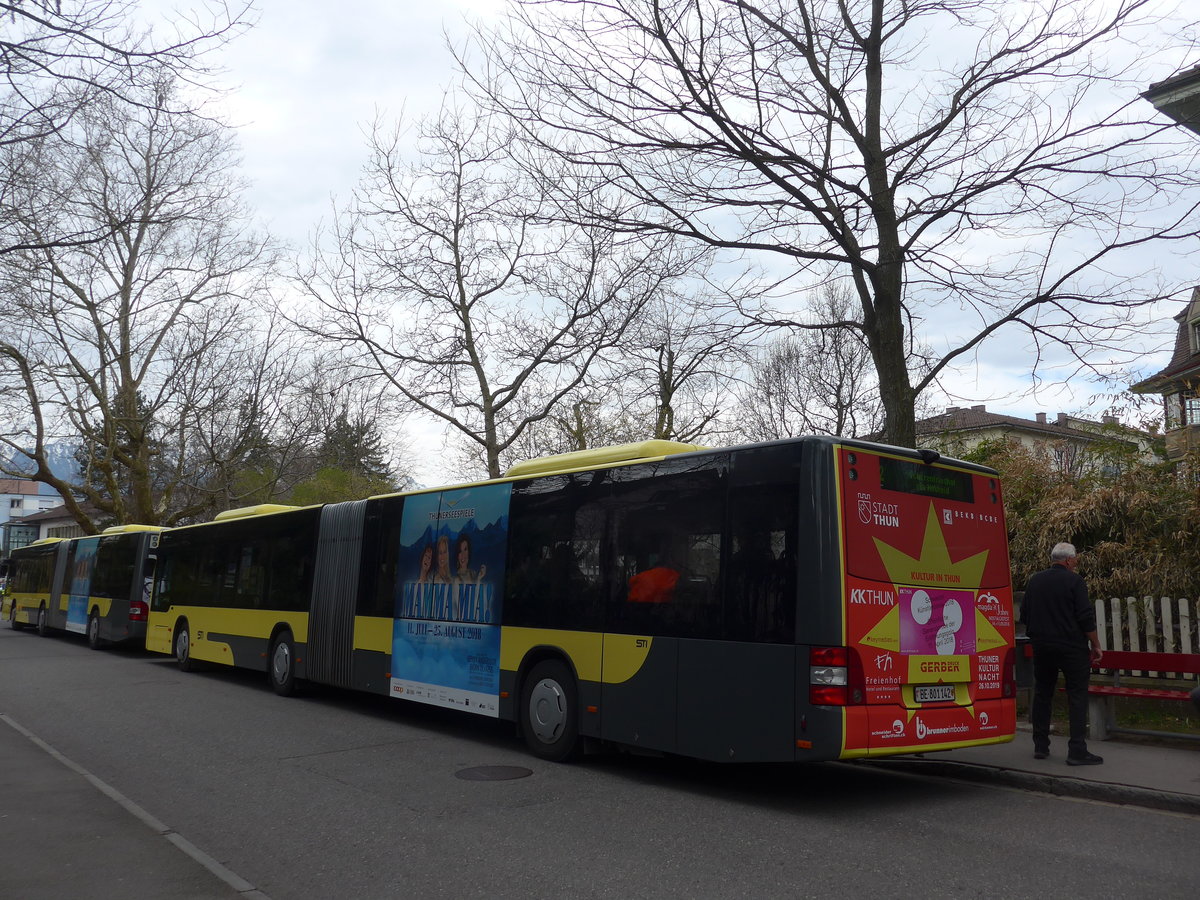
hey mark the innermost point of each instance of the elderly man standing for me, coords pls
(1061, 624)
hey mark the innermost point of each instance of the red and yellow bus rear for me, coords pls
(925, 660)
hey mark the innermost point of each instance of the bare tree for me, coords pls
(988, 161)
(59, 57)
(815, 381)
(588, 420)
(676, 371)
(131, 344)
(454, 283)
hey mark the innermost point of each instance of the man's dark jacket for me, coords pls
(1056, 609)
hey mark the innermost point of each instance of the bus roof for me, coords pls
(600, 456)
(128, 529)
(262, 509)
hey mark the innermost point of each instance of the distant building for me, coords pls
(54, 523)
(1178, 383)
(1179, 98)
(1077, 445)
(20, 498)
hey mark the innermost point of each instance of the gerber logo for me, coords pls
(864, 508)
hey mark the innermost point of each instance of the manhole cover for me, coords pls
(493, 773)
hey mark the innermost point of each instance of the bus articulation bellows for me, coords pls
(808, 599)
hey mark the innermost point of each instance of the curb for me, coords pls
(1059, 785)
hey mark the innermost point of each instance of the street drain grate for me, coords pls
(493, 773)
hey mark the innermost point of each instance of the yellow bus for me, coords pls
(809, 599)
(98, 586)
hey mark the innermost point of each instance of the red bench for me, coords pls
(1100, 707)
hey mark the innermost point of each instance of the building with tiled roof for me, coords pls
(1076, 444)
(1179, 382)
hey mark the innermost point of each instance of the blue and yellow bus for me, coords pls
(98, 586)
(809, 599)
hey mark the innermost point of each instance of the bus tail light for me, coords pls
(1009, 670)
(138, 611)
(835, 677)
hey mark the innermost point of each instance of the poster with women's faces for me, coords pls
(446, 632)
(937, 622)
(83, 563)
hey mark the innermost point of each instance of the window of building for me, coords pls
(1174, 410)
(1191, 409)
(14, 503)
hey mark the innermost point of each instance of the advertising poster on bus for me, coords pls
(446, 635)
(928, 603)
(79, 587)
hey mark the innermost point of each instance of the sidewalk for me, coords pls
(64, 837)
(1137, 772)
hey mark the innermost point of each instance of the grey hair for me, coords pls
(1062, 552)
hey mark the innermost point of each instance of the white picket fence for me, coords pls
(1150, 624)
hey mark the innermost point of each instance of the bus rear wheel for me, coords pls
(93, 631)
(282, 666)
(550, 711)
(183, 649)
(43, 627)
(12, 618)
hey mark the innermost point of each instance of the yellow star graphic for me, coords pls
(933, 567)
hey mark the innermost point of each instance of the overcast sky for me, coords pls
(312, 74)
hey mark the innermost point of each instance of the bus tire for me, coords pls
(93, 630)
(550, 711)
(12, 618)
(43, 626)
(182, 645)
(281, 665)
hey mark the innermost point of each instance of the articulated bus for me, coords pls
(98, 586)
(809, 599)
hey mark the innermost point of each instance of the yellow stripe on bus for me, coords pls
(585, 648)
(373, 633)
(206, 620)
(624, 656)
(606, 658)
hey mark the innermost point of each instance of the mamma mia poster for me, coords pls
(446, 634)
(79, 592)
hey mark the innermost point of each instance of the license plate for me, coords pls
(934, 693)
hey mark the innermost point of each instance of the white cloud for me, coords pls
(311, 75)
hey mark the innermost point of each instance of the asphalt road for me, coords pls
(337, 794)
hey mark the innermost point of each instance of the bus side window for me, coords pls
(554, 577)
(761, 580)
(667, 546)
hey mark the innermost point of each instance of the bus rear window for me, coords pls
(918, 478)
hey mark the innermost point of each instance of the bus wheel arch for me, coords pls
(548, 712)
(181, 646)
(281, 661)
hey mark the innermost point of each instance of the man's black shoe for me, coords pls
(1040, 754)
(1090, 759)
